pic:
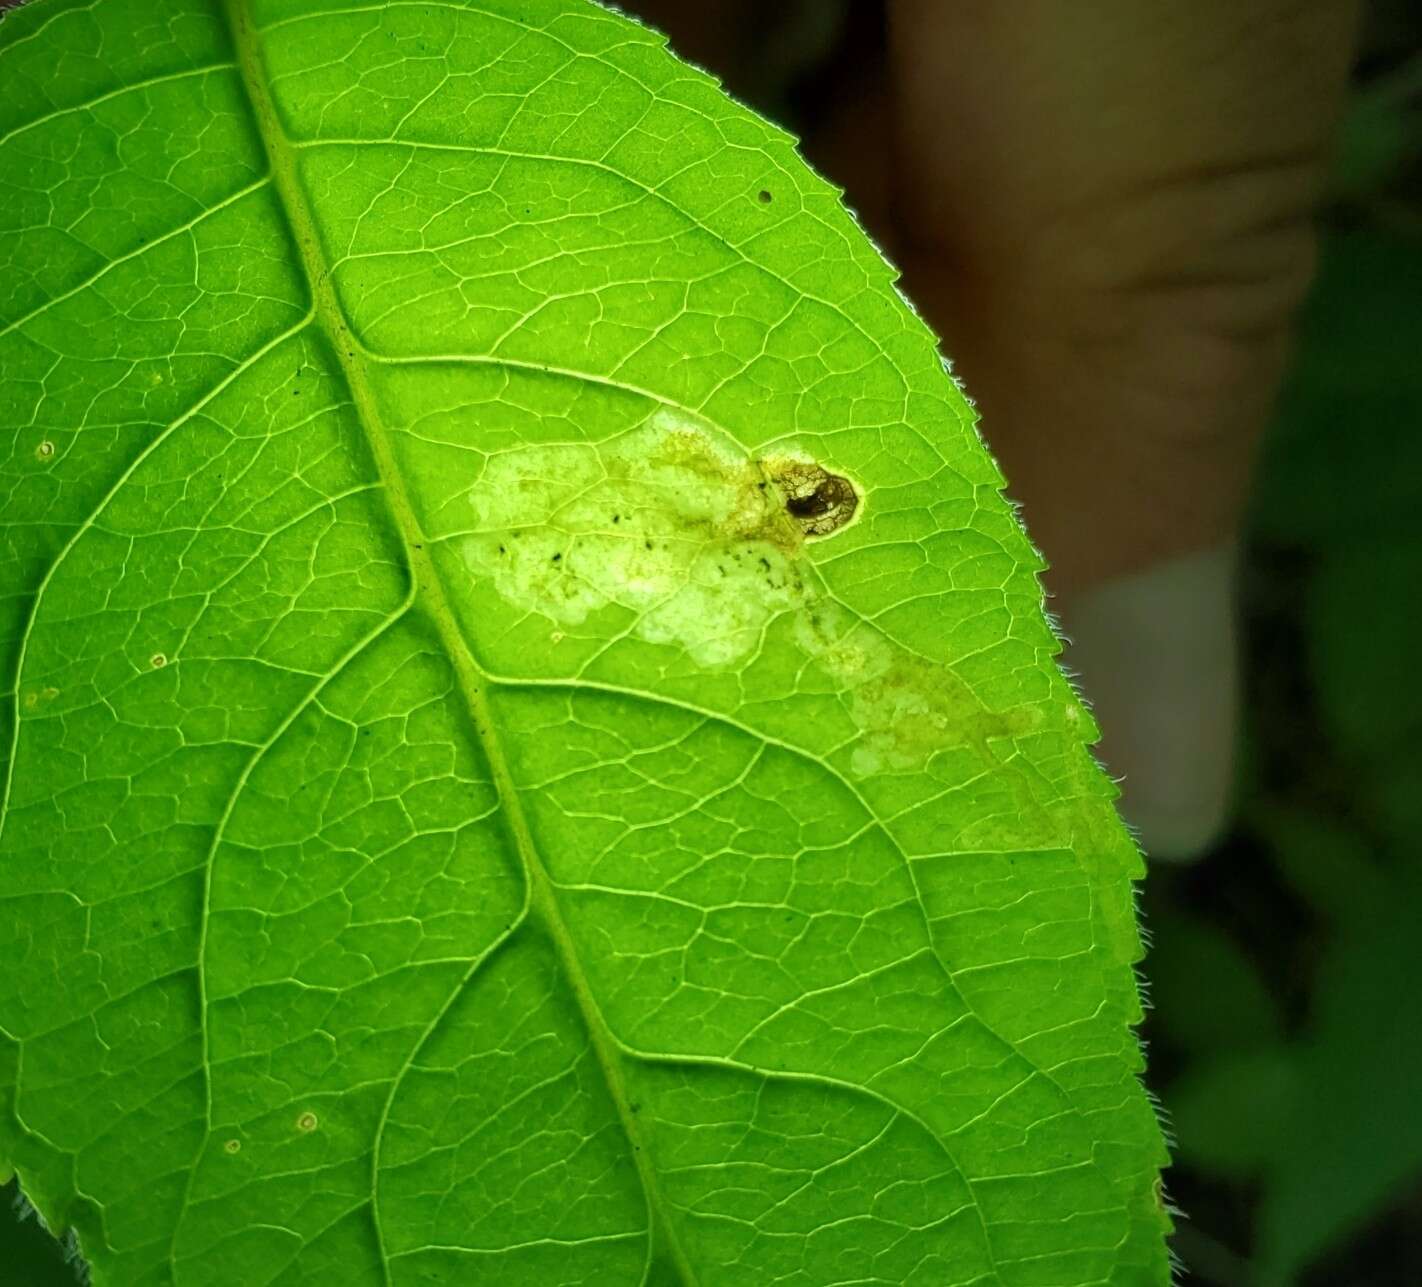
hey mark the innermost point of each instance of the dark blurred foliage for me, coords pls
(1285, 974)
(29, 1256)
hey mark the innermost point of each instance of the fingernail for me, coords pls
(1155, 655)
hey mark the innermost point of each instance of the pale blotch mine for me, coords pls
(693, 539)
(662, 521)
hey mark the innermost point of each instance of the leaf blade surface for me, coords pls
(459, 825)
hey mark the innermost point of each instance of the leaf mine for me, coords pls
(701, 548)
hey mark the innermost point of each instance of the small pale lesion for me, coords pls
(37, 697)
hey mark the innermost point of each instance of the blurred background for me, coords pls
(1285, 972)
(1285, 1041)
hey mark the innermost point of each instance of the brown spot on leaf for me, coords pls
(820, 502)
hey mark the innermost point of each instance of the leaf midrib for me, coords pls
(430, 590)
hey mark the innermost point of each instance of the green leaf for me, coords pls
(1232, 1109)
(1207, 993)
(1362, 646)
(1352, 1146)
(536, 756)
(1343, 461)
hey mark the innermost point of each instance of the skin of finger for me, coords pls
(1106, 210)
